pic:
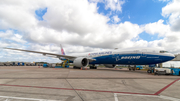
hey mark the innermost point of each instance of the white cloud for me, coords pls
(78, 17)
(157, 28)
(6, 34)
(114, 5)
(10, 36)
(77, 25)
(116, 19)
(172, 10)
(16, 15)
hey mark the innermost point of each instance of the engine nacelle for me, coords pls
(110, 65)
(81, 62)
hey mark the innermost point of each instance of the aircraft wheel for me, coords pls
(149, 71)
(93, 67)
(74, 67)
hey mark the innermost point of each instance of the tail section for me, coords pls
(62, 50)
(65, 62)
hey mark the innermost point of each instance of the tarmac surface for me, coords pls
(34, 83)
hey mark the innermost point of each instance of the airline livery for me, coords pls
(140, 56)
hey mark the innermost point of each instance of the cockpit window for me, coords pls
(162, 51)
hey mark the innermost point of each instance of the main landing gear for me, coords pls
(93, 67)
(132, 68)
(74, 67)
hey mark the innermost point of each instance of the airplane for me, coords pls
(136, 56)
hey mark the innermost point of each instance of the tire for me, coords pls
(92, 67)
(76, 67)
(149, 71)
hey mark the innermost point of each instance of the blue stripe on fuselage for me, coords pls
(131, 59)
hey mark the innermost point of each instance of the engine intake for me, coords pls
(81, 62)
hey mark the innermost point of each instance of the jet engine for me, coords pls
(110, 65)
(81, 62)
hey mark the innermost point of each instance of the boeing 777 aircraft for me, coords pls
(141, 56)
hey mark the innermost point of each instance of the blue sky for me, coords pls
(40, 13)
(138, 12)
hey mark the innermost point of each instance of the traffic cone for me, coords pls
(81, 68)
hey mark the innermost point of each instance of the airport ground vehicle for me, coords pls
(45, 65)
(1, 64)
(164, 71)
(139, 67)
(15, 63)
(175, 71)
(159, 71)
(8, 64)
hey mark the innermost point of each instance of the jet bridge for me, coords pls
(177, 57)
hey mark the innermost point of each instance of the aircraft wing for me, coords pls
(44, 53)
(50, 54)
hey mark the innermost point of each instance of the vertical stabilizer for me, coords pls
(62, 50)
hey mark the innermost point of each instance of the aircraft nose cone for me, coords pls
(172, 56)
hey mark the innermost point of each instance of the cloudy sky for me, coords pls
(86, 25)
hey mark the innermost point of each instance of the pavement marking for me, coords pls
(21, 98)
(74, 89)
(161, 90)
(157, 93)
(160, 96)
(169, 98)
(115, 97)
